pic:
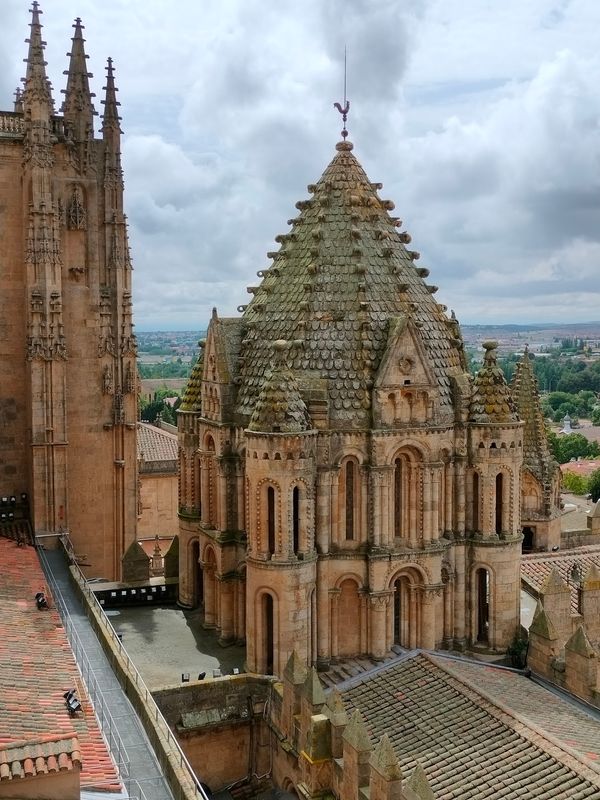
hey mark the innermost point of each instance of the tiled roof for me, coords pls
(531, 702)
(36, 669)
(192, 397)
(26, 759)
(537, 457)
(338, 278)
(536, 568)
(470, 745)
(279, 406)
(154, 444)
(491, 400)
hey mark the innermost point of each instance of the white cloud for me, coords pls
(480, 118)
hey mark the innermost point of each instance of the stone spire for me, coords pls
(536, 452)
(279, 407)
(38, 91)
(110, 117)
(491, 401)
(338, 278)
(77, 107)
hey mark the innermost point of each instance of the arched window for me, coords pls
(296, 519)
(482, 589)
(476, 525)
(271, 519)
(350, 499)
(268, 637)
(499, 493)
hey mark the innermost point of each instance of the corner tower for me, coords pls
(343, 381)
(540, 481)
(68, 403)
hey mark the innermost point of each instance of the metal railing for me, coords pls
(150, 702)
(105, 719)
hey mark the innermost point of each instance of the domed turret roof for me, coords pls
(491, 401)
(279, 408)
(338, 278)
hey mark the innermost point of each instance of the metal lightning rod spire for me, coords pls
(346, 107)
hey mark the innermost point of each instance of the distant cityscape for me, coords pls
(157, 347)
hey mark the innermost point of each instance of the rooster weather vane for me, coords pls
(345, 108)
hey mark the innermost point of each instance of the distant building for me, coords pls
(157, 482)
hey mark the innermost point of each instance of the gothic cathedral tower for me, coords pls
(68, 402)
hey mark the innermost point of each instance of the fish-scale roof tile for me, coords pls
(491, 401)
(335, 282)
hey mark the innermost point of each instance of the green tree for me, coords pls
(594, 485)
(572, 446)
(577, 484)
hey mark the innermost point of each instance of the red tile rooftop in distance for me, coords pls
(37, 667)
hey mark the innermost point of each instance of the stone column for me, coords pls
(334, 599)
(459, 597)
(323, 521)
(363, 522)
(241, 503)
(226, 615)
(323, 616)
(335, 507)
(222, 521)
(448, 496)
(375, 477)
(428, 619)
(427, 510)
(448, 613)
(415, 503)
(240, 632)
(413, 619)
(378, 629)
(459, 485)
(435, 500)
(204, 488)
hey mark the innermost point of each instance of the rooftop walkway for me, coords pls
(129, 745)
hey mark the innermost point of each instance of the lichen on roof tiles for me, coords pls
(491, 401)
(279, 407)
(192, 396)
(337, 279)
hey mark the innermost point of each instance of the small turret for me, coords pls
(491, 400)
(77, 107)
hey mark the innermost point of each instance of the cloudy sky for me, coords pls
(481, 118)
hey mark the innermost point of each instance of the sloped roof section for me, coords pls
(154, 444)
(470, 743)
(536, 451)
(279, 407)
(339, 276)
(192, 396)
(491, 401)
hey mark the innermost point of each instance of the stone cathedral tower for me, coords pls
(68, 395)
(344, 485)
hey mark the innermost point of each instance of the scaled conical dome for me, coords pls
(338, 278)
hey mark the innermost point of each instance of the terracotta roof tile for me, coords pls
(469, 745)
(155, 444)
(36, 669)
(536, 568)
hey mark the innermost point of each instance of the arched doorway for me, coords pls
(406, 609)
(197, 576)
(528, 539)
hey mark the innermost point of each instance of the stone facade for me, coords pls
(344, 484)
(68, 397)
